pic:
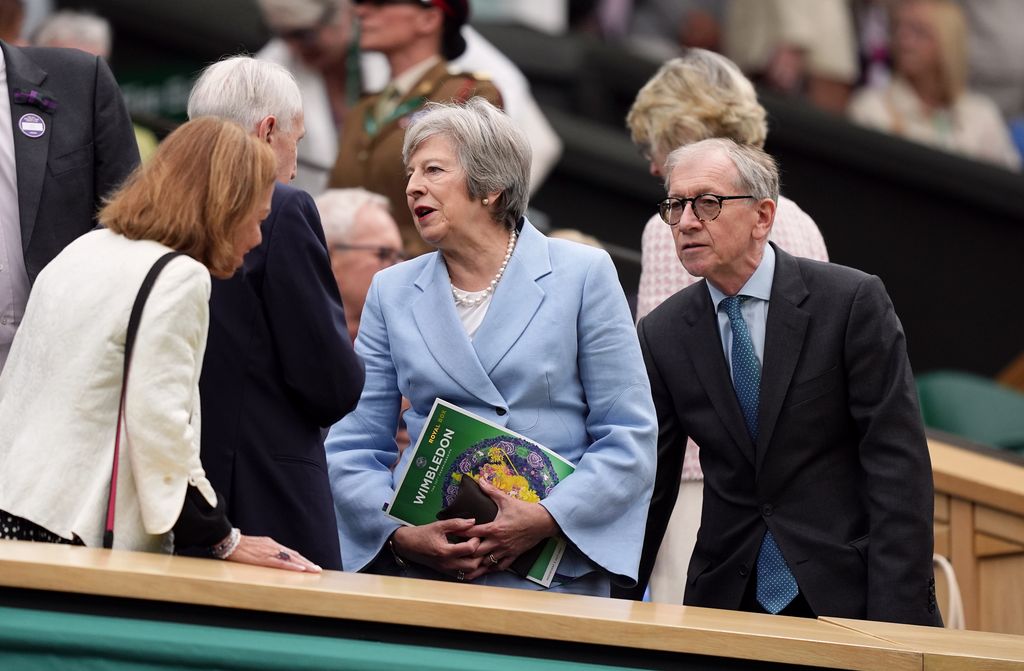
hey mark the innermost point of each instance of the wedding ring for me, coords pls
(460, 576)
(490, 558)
(283, 556)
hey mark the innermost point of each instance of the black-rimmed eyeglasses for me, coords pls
(706, 207)
(387, 255)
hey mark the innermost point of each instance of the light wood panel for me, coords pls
(456, 606)
(945, 650)
(976, 477)
(979, 527)
(1001, 581)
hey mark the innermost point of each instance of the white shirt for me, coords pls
(14, 286)
(472, 316)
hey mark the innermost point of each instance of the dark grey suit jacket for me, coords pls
(840, 472)
(87, 150)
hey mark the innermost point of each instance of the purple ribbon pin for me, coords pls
(33, 97)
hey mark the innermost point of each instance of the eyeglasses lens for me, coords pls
(706, 207)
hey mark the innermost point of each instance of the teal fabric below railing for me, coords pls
(33, 639)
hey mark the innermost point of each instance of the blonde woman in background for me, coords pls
(927, 100)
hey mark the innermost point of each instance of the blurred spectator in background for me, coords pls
(795, 46)
(872, 18)
(928, 100)
(89, 33)
(699, 96)
(996, 52)
(418, 37)
(314, 40)
(317, 40)
(279, 364)
(660, 28)
(362, 238)
(12, 18)
(997, 57)
(484, 58)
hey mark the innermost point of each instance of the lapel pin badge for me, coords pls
(32, 125)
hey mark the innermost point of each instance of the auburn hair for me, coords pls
(202, 184)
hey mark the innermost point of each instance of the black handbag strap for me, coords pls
(129, 344)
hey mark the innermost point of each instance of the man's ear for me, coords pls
(266, 128)
(765, 218)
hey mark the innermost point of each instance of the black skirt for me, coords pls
(20, 529)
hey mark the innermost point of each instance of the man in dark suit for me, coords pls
(66, 141)
(793, 377)
(279, 365)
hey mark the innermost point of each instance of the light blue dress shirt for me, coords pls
(755, 312)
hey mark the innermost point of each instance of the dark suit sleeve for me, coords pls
(671, 442)
(115, 151)
(305, 315)
(200, 526)
(894, 456)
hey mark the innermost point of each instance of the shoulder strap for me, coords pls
(129, 344)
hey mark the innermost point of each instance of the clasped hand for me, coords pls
(489, 547)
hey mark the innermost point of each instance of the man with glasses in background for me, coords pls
(793, 377)
(362, 238)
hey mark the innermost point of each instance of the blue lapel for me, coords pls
(30, 153)
(443, 334)
(516, 299)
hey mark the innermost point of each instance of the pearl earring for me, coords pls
(486, 201)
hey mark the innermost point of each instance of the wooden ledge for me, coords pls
(424, 603)
(947, 649)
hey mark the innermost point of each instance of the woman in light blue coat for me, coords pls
(529, 332)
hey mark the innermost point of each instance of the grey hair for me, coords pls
(68, 27)
(245, 90)
(757, 171)
(338, 209)
(493, 152)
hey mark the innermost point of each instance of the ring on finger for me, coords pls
(283, 556)
(490, 558)
(460, 576)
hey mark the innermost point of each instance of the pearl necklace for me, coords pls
(472, 302)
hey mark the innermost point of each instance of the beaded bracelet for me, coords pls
(223, 549)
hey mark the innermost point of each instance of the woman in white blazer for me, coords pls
(204, 194)
(531, 333)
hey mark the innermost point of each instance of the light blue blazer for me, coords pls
(556, 359)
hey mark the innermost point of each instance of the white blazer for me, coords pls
(60, 390)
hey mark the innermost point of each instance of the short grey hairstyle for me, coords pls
(493, 152)
(758, 172)
(245, 90)
(339, 207)
(68, 27)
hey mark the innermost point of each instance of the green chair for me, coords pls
(974, 407)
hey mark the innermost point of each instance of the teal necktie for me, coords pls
(776, 586)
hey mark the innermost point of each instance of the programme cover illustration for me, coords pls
(455, 444)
